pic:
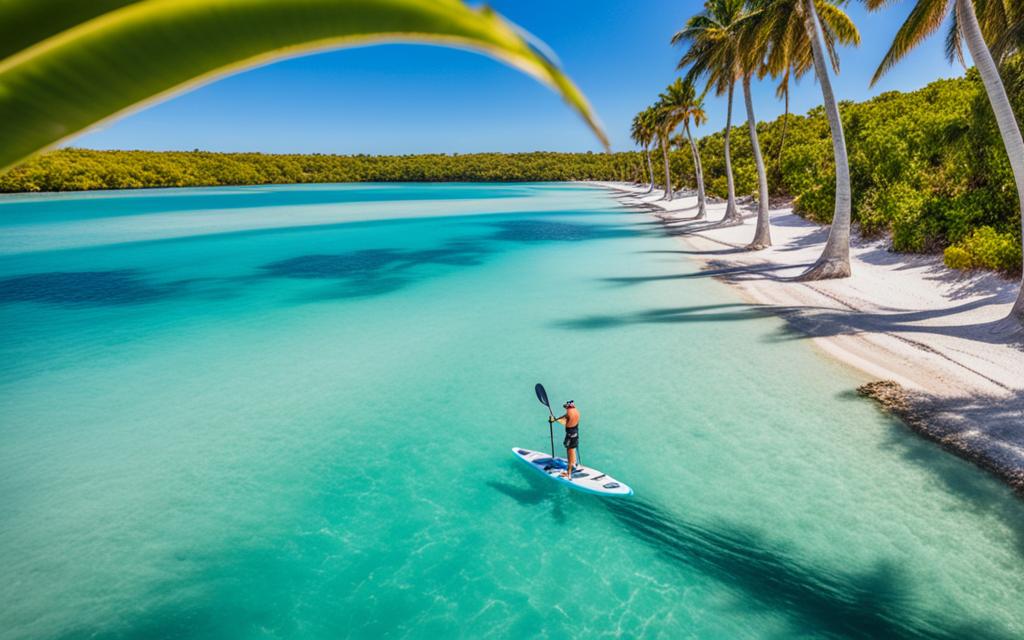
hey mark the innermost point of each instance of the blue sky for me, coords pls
(395, 99)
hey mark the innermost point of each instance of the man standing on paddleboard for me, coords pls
(571, 420)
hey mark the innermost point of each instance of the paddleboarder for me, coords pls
(571, 421)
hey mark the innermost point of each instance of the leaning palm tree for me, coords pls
(664, 123)
(925, 18)
(712, 36)
(64, 71)
(791, 28)
(752, 59)
(642, 132)
(681, 103)
(699, 118)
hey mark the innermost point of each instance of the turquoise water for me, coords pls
(287, 412)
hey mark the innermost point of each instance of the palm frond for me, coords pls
(954, 42)
(74, 72)
(924, 19)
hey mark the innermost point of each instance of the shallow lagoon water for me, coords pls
(287, 412)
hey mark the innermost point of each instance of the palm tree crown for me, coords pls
(780, 28)
(712, 36)
(1001, 22)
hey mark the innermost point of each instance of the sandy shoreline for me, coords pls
(901, 318)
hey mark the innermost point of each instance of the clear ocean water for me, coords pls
(287, 412)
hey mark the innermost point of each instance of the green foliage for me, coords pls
(82, 169)
(985, 248)
(928, 166)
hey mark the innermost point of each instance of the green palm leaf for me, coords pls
(64, 77)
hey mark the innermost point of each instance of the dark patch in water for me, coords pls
(548, 231)
(372, 272)
(345, 265)
(874, 604)
(85, 288)
(703, 313)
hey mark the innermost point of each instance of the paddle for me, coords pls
(542, 395)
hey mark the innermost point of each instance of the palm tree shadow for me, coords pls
(976, 492)
(875, 604)
(813, 321)
(671, 315)
(721, 270)
(684, 252)
(118, 287)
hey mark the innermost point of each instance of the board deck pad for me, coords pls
(583, 479)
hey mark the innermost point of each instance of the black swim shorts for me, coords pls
(572, 438)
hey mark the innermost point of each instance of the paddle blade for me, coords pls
(542, 395)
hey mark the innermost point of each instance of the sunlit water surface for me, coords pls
(287, 412)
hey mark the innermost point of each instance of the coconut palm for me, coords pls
(682, 103)
(64, 71)
(1001, 22)
(925, 18)
(664, 123)
(642, 132)
(790, 28)
(752, 59)
(712, 36)
(699, 118)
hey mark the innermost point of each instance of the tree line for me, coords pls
(84, 169)
(927, 166)
(926, 192)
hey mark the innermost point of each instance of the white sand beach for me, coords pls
(900, 317)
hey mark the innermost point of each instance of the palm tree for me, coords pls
(642, 132)
(699, 118)
(681, 101)
(663, 125)
(753, 49)
(924, 19)
(712, 35)
(790, 28)
(64, 71)
(782, 92)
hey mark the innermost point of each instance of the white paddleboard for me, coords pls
(583, 479)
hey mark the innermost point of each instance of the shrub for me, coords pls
(985, 248)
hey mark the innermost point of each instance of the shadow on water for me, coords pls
(875, 604)
(538, 492)
(725, 273)
(976, 493)
(87, 288)
(528, 231)
(355, 274)
(878, 603)
(372, 272)
(701, 313)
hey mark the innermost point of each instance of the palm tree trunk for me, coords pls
(650, 168)
(782, 139)
(732, 213)
(1008, 126)
(835, 259)
(698, 169)
(668, 177)
(762, 234)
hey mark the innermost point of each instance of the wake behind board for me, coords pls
(583, 479)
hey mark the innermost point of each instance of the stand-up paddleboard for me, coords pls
(583, 479)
